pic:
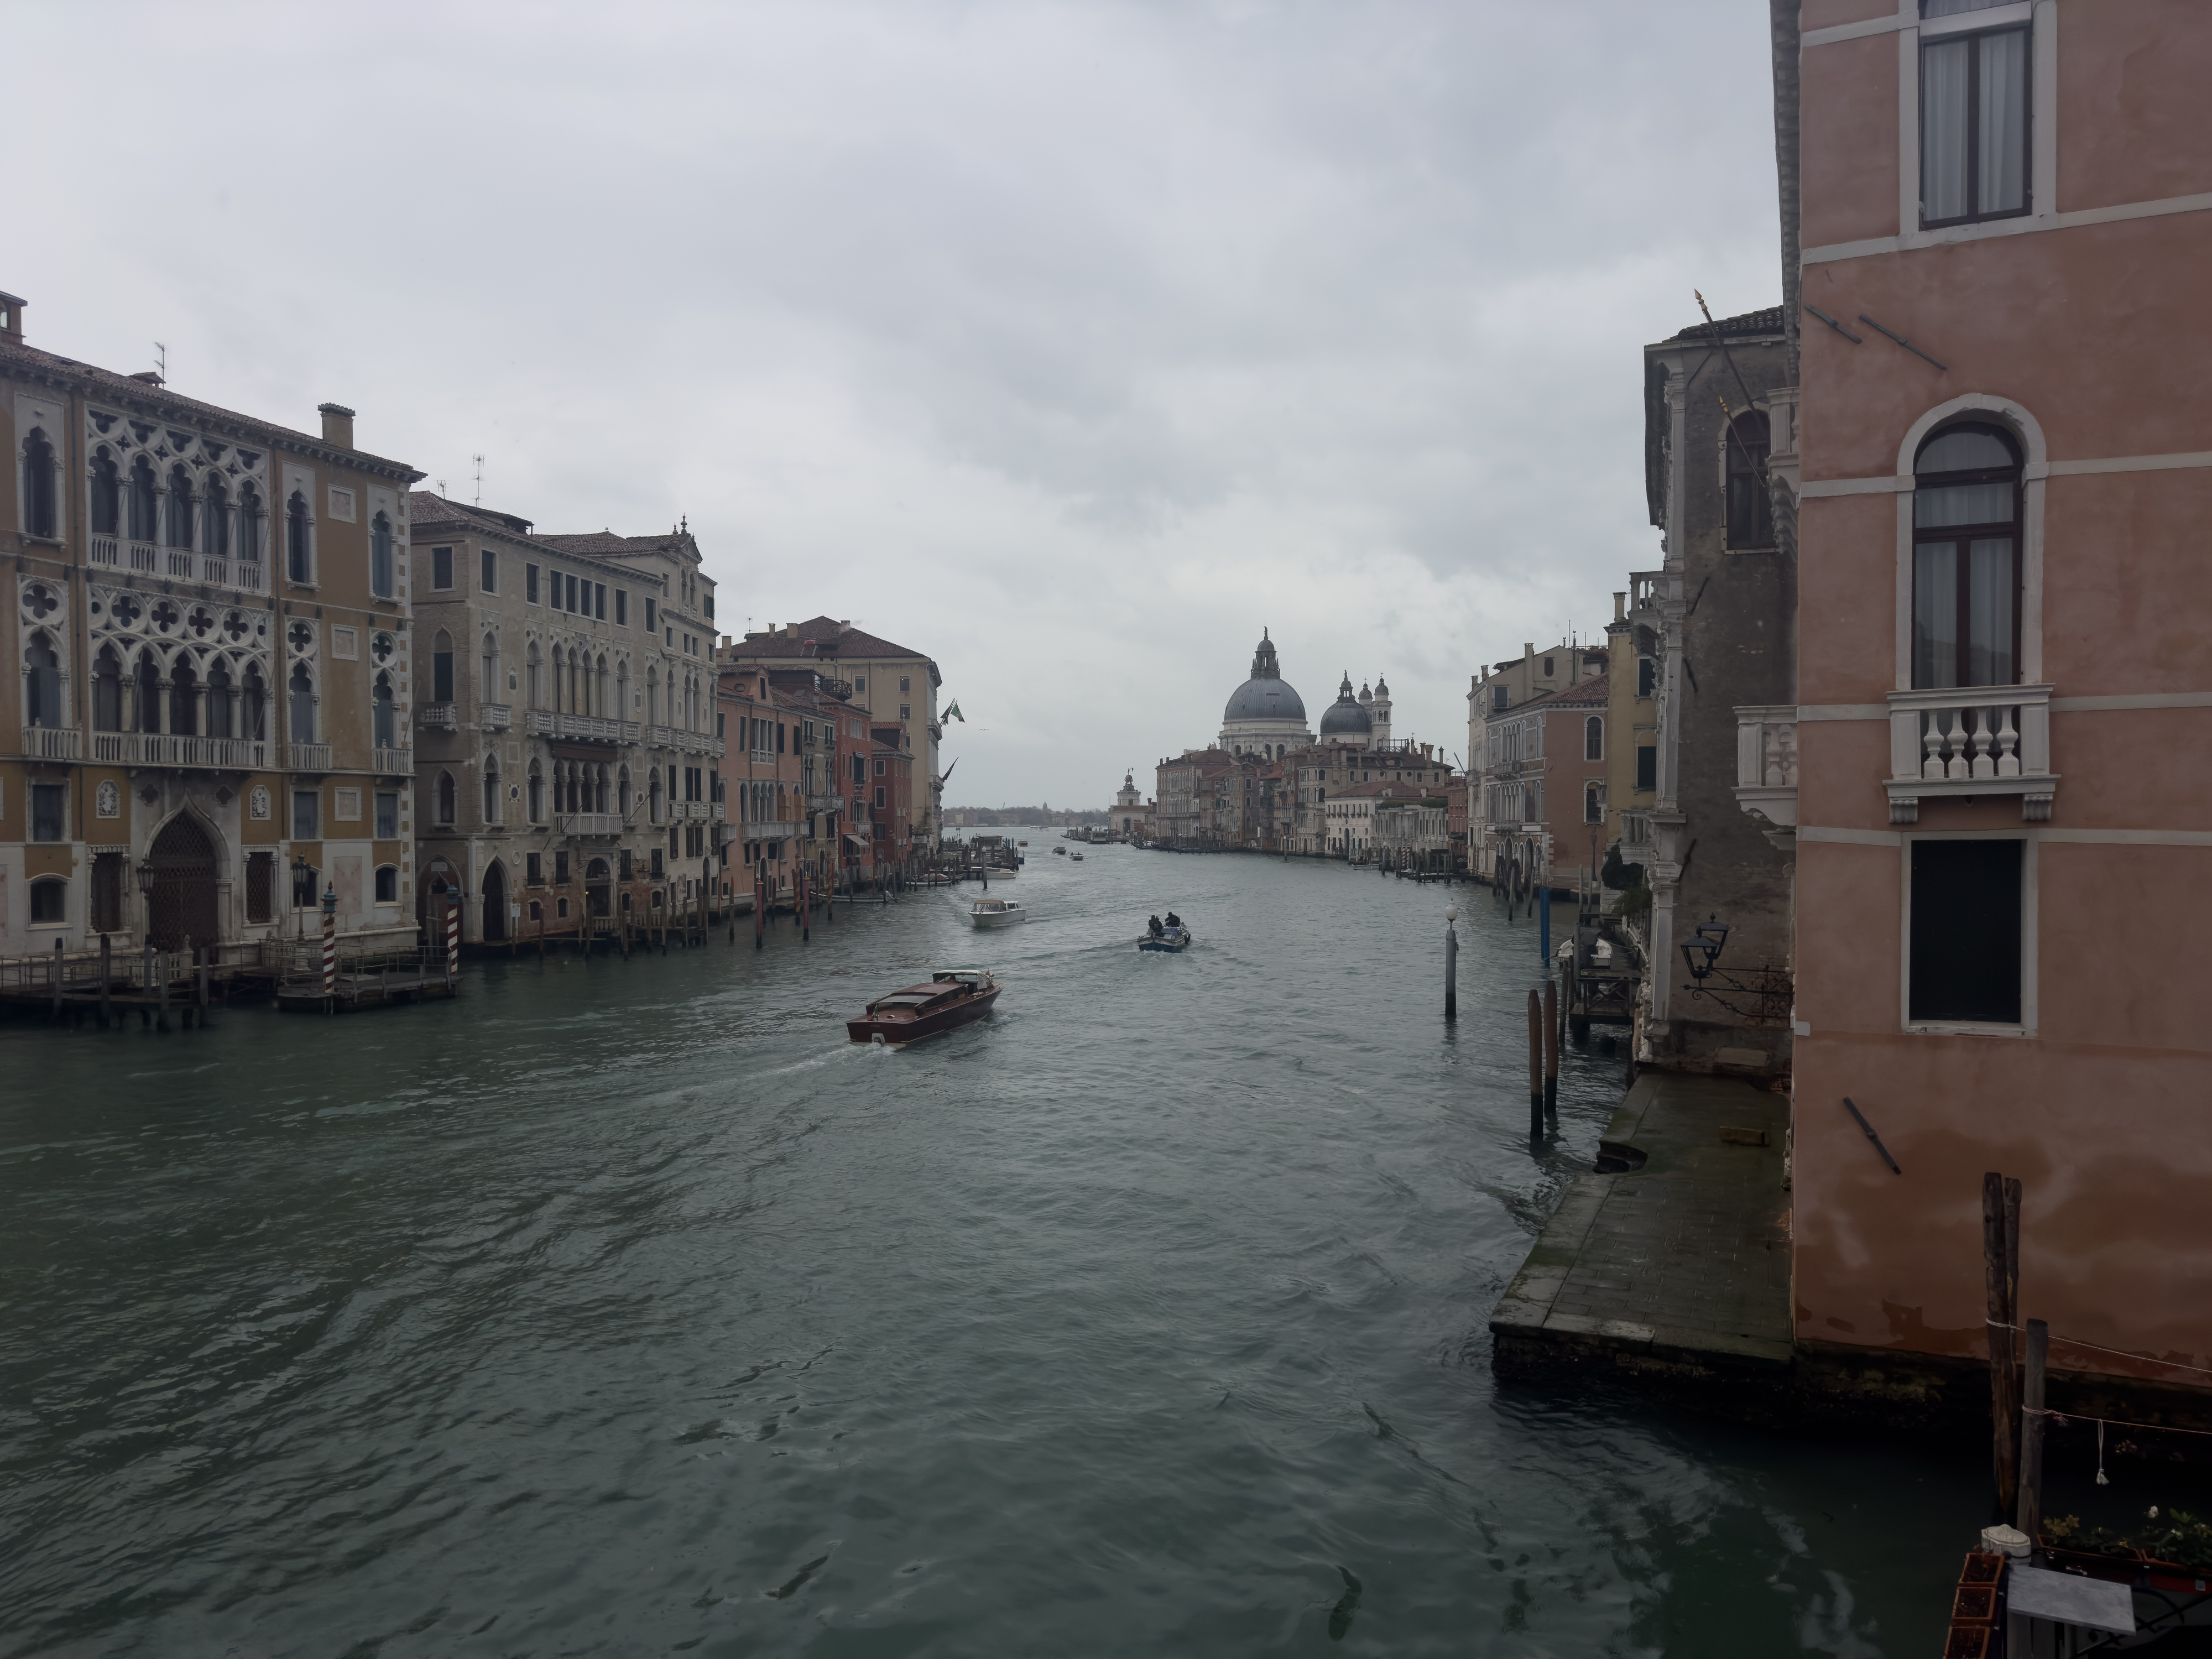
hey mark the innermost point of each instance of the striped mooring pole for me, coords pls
(452, 940)
(330, 954)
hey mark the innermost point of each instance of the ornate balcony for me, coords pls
(594, 728)
(307, 758)
(394, 762)
(498, 716)
(592, 824)
(1970, 741)
(538, 722)
(1766, 763)
(163, 748)
(51, 743)
(445, 716)
(687, 742)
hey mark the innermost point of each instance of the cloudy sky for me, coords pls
(1071, 343)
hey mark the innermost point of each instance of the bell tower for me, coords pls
(1380, 712)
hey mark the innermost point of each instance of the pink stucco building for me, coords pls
(2002, 455)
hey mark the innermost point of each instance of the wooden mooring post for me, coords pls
(1535, 1066)
(1451, 962)
(1551, 1045)
(106, 974)
(2031, 1433)
(2001, 1275)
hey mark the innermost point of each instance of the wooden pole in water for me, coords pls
(105, 945)
(1451, 962)
(1535, 1066)
(2031, 1434)
(1999, 1280)
(57, 982)
(1551, 1044)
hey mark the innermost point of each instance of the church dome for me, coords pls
(1266, 696)
(1345, 718)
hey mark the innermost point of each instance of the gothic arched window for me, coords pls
(250, 518)
(491, 686)
(384, 713)
(302, 710)
(254, 710)
(180, 507)
(492, 797)
(1966, 558)
(215, 520)
(106, 495)
(107, 691)
(1594, 738)
(299, 563)
(39, 516)
(379, 557)
(534, 678)
(446, 797)
(143, 499)
(220, 701)
(42, 683)
(536, 801)
(441, 667)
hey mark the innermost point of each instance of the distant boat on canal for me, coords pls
(1168, 938)
(951, 997)
(996, 913)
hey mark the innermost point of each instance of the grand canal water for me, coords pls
(627, 1309)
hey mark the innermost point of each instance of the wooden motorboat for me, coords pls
(996, 913)
(951, 997)
(1169, 938)
(1060, 852)
(1075, 857)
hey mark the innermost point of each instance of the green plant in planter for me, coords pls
(1635, 901)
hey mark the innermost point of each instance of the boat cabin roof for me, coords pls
(990, 904)
(963, 976)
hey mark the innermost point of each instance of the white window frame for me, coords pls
(2030, 885)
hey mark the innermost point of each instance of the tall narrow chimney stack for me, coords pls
(11, 319)
(337, 425)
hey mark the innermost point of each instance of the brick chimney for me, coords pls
(11, 319)
(337, 425)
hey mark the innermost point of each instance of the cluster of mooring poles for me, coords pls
(158, 973)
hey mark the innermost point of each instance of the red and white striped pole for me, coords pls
(329, 950)
(452, 939)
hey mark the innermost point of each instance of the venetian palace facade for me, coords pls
(208, 671)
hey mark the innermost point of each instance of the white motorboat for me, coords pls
(996, 913)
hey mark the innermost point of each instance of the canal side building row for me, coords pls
(252, 668)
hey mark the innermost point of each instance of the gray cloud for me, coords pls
(1071, 343)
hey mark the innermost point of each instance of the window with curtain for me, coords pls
(1973, 123)
(1966, 559)
(1750, 515)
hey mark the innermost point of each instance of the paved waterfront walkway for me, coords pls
(1683, 1262)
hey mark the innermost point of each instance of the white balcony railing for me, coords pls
(538, 722)
(445, 715)
(165, 749)
(592, 824)
(145, 556)
(394, 762)
(307, 758)
(688, 743)
(595, 728)
(1766, 763)
(1970, 741)
(50, 743)
(104, 550)
(498, 716)
(1635, 836)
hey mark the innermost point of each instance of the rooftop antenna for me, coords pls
(441, 486)
(479, 501)
(161, 359)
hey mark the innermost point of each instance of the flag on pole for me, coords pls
(953, 713)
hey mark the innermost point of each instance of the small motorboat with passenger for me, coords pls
(1171, 935)
(996, 913)
(951, 997)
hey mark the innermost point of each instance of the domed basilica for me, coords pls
(1266, 716)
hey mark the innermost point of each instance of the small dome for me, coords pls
(1266, 696)
(1345, 718)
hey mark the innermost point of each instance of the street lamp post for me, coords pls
(146, 923)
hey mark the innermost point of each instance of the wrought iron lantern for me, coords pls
(1702, 950)
(146, 877)
(329, 900)
(303, 882)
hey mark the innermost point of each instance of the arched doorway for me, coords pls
(495, 904)
(599, 887)
(183, 903)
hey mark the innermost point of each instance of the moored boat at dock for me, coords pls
(951, 997)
